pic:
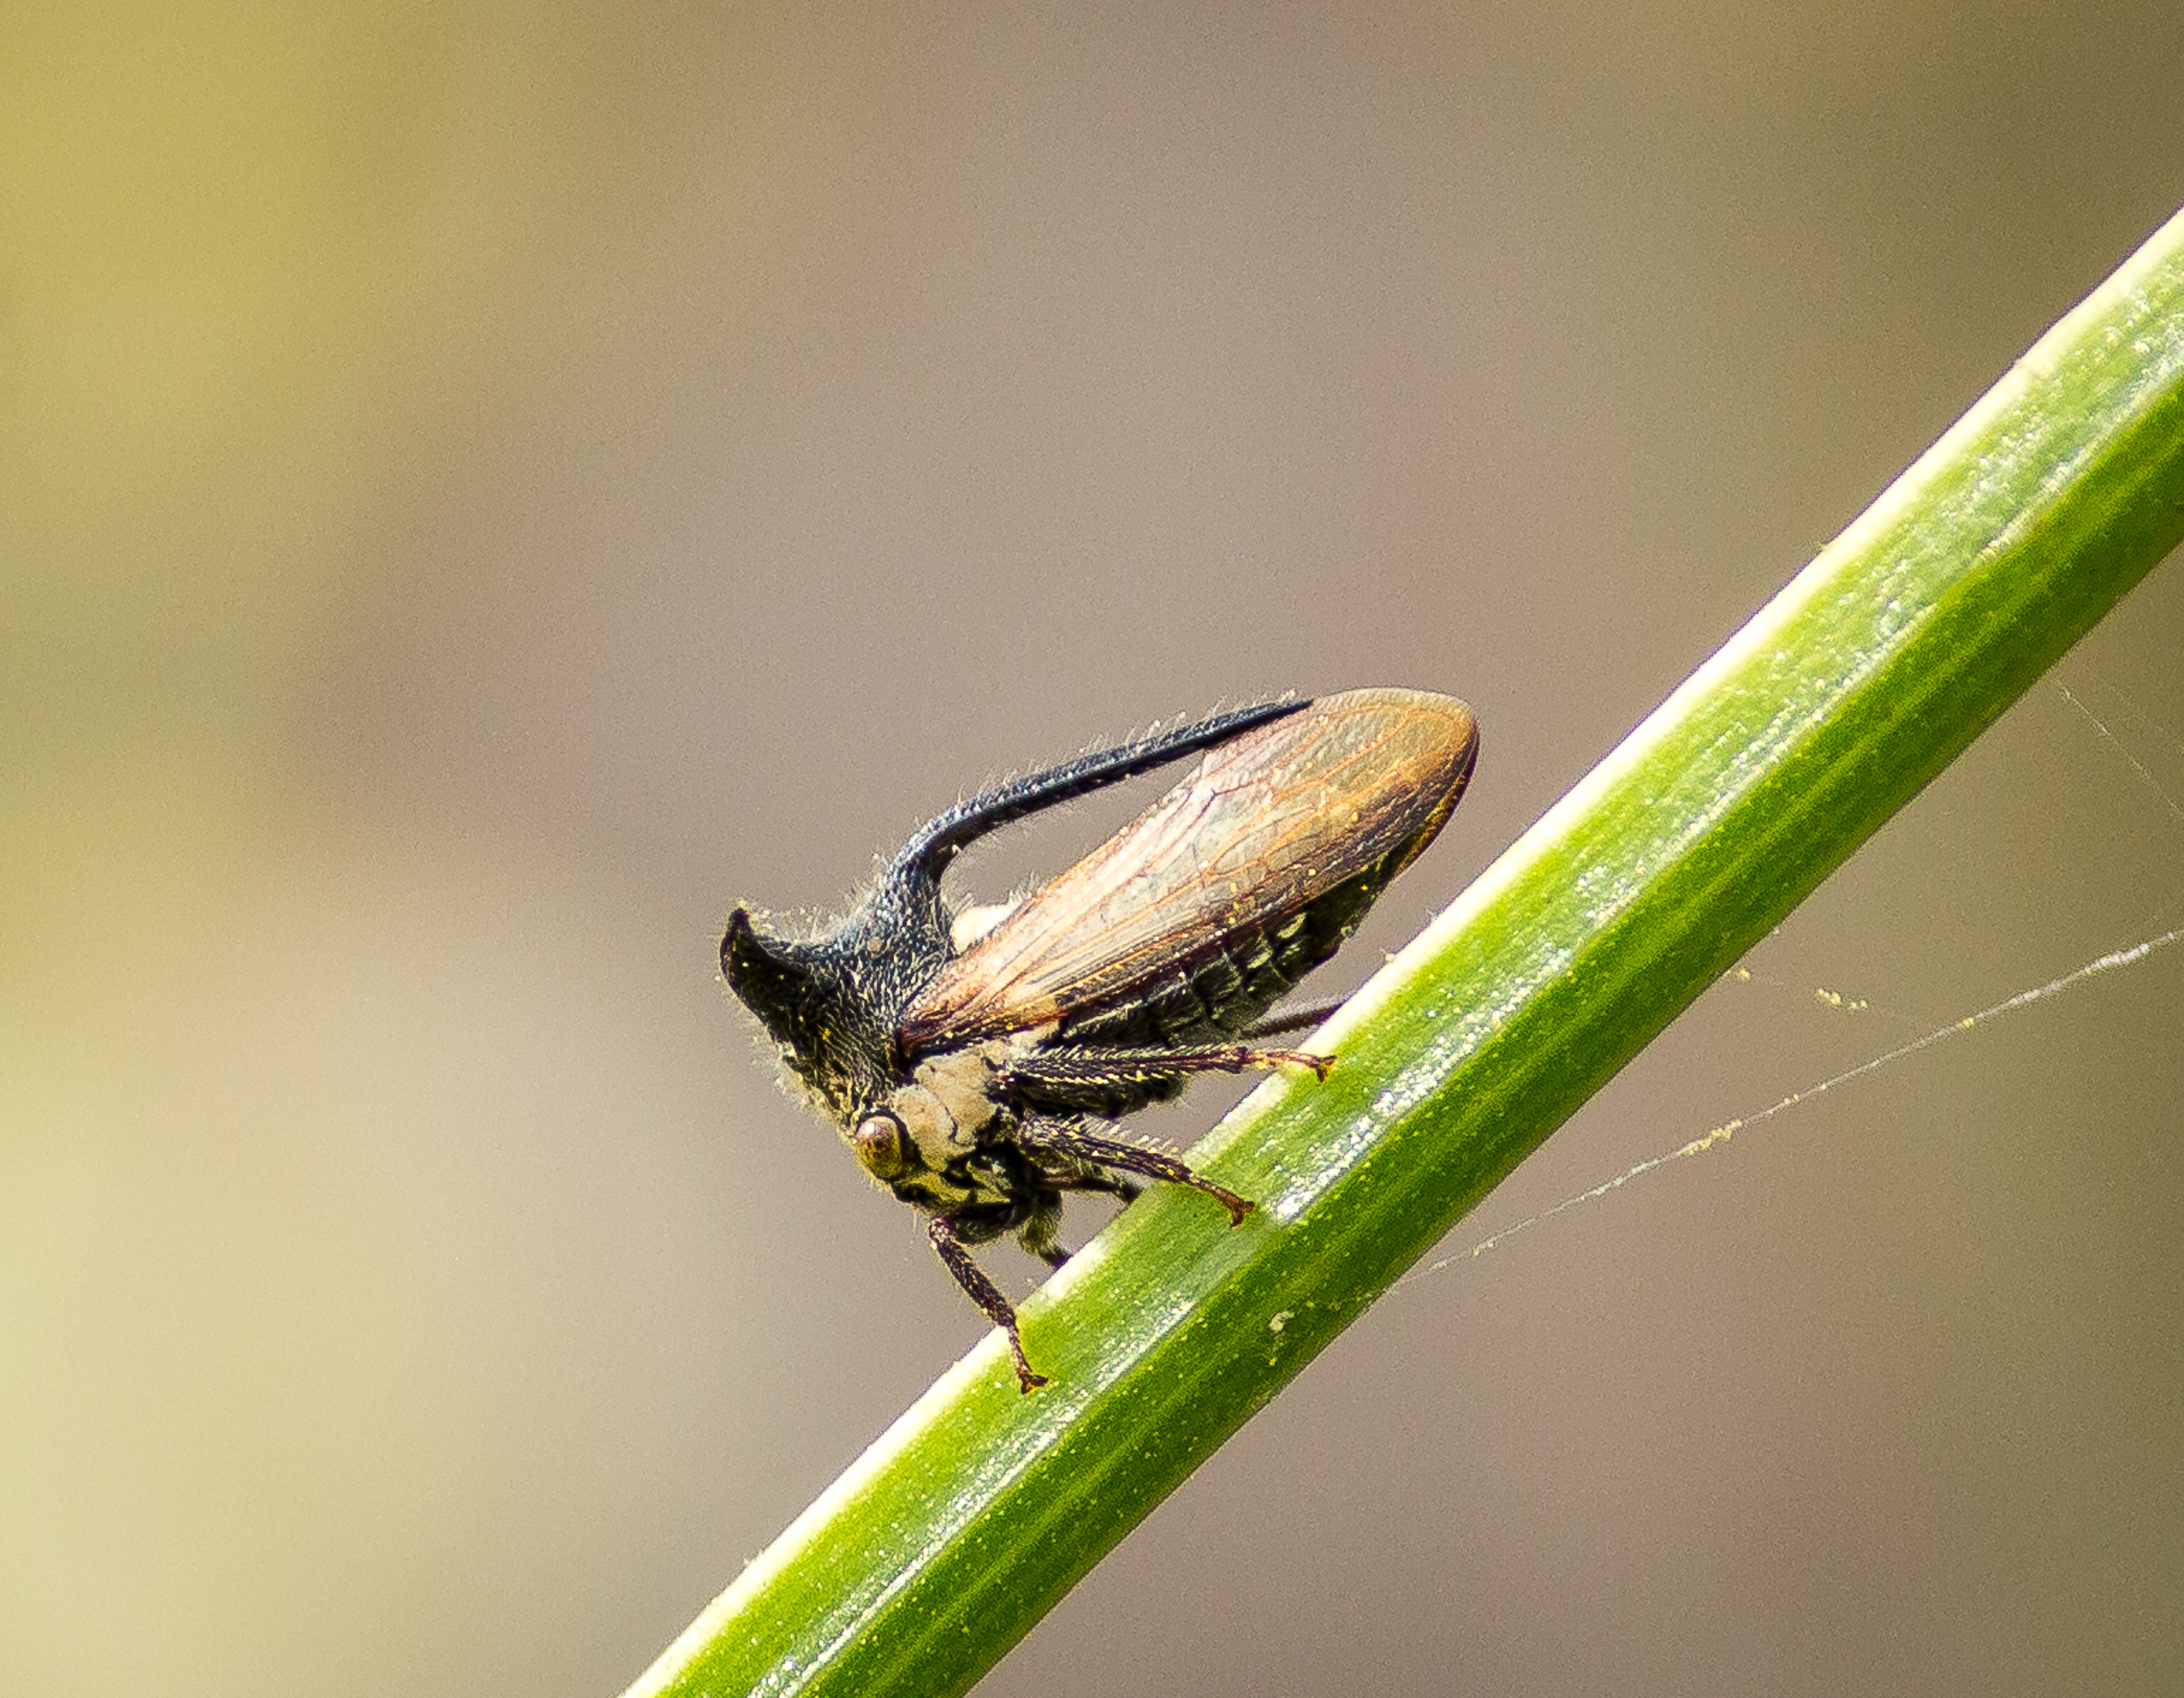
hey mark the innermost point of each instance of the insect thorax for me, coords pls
(831, 1002)
(952, 1115)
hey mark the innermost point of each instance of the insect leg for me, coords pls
(1041, 1228)
(956, 1256)
(1088, 1179)
(1087, 1078)
(1063, 1137)
(1128, 1190)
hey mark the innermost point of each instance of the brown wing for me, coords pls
(1268, 823)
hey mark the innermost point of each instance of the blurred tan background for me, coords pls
(481, 491)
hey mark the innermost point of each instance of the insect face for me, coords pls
(962, 1056)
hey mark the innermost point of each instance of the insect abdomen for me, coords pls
(1247, 973)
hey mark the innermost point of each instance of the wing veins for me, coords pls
(1298, 815)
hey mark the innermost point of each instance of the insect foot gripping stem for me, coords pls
(956, 1256)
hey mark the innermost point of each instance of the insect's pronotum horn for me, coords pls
(927, 855)
(764, 972)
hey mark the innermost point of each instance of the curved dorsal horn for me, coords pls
(926, 856)
(764, 972)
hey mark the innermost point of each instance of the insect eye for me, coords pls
(883, 1149)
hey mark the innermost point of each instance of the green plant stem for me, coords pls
(1829, 710)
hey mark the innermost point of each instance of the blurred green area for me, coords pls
(262, 268)
(254, 256)
(262, 262)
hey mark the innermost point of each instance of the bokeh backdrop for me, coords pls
(483, 489)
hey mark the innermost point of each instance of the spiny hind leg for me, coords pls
(1096, 1080)
(1063, 1137)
